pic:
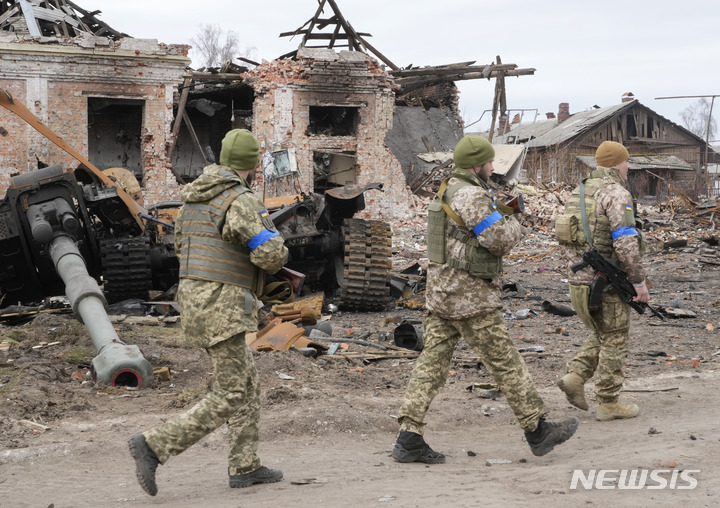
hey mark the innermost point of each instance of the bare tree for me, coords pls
(696, 118)
(216, 47)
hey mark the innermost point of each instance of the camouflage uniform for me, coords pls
(606, 348)
(215, 316)
(464, 305)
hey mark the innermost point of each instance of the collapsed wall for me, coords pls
(331, 112)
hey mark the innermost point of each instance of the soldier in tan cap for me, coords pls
(468, 234)
(225, 241)
(610, 222)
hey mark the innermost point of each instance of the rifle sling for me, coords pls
(446, 207)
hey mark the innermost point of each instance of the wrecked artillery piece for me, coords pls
(63, 232)
(53, 233)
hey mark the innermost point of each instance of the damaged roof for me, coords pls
(645, 162)
(56, 18)
(551, 133)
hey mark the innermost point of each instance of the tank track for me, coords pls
(367, 263)
(126, 268)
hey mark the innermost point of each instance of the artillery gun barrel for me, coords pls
(116, 363)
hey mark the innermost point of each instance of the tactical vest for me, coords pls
(204, 255)
(568, 226)
(478, 261)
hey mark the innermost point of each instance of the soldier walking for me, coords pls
(602, 209)
(468, 234)
(225, 242)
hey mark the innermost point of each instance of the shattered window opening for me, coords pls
(631, 127)
(333, 169)
(333, 121)
(114, 133)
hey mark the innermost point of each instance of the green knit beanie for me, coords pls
(240, 150)
(473, 151)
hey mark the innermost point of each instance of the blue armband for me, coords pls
(624, 231)
(262, 237)
(489, 221)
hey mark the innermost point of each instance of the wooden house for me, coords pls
(662, 153)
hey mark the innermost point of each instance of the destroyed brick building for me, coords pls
(325, 116)
(333, 110)
(109, 96)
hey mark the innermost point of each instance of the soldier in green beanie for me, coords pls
(225, 242)
(468, 234)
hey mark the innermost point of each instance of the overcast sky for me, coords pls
(583, 53)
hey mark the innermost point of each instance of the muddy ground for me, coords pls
(330, 422)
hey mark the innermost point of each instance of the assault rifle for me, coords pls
(606, 272)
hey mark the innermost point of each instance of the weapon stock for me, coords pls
(517, 203)
(605, 269)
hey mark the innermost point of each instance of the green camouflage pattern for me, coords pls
(213, 316)
(613, 202)
(604, 351)
(234, 399)
(452, 292)
(212, 311)
(489, 337)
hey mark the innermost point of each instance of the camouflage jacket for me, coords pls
(212, 311)
(453, 293)
(612, 202)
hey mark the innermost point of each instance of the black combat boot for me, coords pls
(411, 447)
(548, 434)
(260, 475)
(146, 462)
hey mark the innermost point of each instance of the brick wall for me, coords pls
(285, 91)
(54, 81)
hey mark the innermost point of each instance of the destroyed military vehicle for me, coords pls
(129, 249)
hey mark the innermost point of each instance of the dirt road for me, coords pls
(329, 422)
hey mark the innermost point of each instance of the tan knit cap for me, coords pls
(609, 154)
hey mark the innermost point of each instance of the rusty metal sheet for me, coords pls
(280, 336)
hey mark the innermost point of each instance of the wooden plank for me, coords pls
(450, 69)
(49, 15)
(328, 36)
(193, 134)
(427, 144)
(176, 126)
(8, 13)
(279, 201)
(335, 34)
(313, 20)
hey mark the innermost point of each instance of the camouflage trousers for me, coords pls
(234, 399)
(604, 351)
(489, 337)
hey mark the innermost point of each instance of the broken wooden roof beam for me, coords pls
(409, 84)
(485, 71)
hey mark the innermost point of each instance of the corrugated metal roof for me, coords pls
(549, 132)
(645, 162)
